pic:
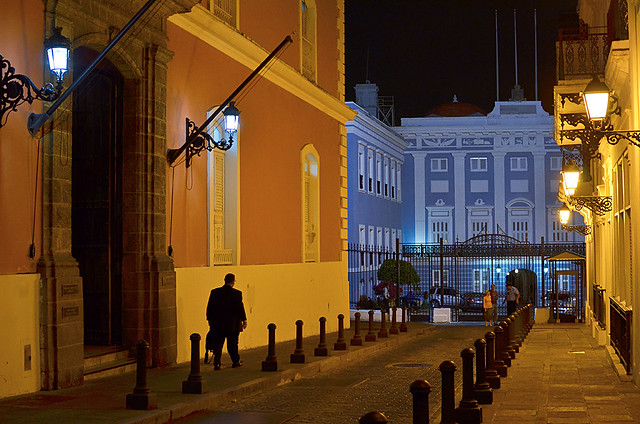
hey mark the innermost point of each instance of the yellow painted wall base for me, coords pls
(19, 311)
(281, 293)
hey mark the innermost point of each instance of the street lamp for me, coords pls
(596, 99)
(570, 177)
(498, 270)
(565, 214)
(16, 89)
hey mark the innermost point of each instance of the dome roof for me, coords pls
(456, 108)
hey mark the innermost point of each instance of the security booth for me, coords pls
(565, 294)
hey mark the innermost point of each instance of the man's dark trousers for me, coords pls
(217, 339)
(511, 307)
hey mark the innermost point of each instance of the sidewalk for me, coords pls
(103, 400)
(561, 375)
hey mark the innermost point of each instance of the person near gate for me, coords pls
(227, 318)
(512, 297)
(487, 306)
(494, 305)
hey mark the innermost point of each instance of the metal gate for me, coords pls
(456, 275)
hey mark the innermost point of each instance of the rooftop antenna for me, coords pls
(535, 48)
(497, 62)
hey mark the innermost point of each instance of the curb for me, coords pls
(211, 400)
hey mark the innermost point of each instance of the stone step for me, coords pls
(107, 369)
(97, 357)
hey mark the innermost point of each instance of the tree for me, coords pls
(408, 275)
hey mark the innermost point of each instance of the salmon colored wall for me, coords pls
(274, 126)
(22, 34)
(286, 13)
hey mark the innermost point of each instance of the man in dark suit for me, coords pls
(226, 316)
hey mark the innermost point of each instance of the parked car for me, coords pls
(472, 302)
(412, 300)
(449, 298)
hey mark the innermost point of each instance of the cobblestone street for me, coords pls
(378, 383)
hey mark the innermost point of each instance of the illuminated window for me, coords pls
(311, 204)
(361, 167)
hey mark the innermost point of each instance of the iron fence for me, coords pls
(582, 52)
(620, 326)
(455, 275)
(597, 305)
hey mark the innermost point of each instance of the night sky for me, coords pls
(425, 51)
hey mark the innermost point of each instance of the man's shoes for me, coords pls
(207, 359)
(216, 367)
(236, 364)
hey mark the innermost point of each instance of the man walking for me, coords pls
(512, 297)
(494, 304)
(226, 316)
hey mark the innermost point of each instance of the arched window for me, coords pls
(520, 223)
(310, 204)
(308, 39)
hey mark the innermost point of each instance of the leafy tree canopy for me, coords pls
(408, 274)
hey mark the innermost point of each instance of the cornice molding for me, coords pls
(200, 23)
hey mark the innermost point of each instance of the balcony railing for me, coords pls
(621, 332)
(597, 305)
(582, 53)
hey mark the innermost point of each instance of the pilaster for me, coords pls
(499, 188)
(420, 214)
(459, 179)
(540, 210)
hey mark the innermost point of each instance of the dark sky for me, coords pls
(425, 51)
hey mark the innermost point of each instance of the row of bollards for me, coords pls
(493, 355)
(298, 356)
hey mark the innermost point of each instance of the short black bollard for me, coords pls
(468, 411)
(340, 344)
(322, 350)
(490, 372)
(371, 335)
(141, 398)
(482, 390)
(356, 340)
(297, 357)
(394, 328)
(498, 362)
(448, 369)
(504, 344)
(508, 352)
(403, 324)
(420, 390)
(383, 325)
(374, 417)
(271, 363)
(193, 383)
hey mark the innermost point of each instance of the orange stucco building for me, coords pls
(128, 246)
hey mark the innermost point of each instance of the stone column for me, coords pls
(460, 192)
(540, 190)
(499, 187)
(420, 190)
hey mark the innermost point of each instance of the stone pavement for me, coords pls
(562, 376)
(103, 400)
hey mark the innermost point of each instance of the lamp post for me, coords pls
(16, 89)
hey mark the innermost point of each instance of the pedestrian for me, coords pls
(494, 305)
(226, 316)
(487, 306)
(512, 297)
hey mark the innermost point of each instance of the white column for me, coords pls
(459, 196)
(419, 185)
(540, 209)
(498, 188)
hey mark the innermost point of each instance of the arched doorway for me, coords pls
(96, 208)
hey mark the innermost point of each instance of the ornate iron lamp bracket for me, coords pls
(202, 141)
(580, 229)
(16, 89)
(574, 119)
(599, 205)
(575, 98)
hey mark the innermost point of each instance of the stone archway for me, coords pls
(148, 278)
